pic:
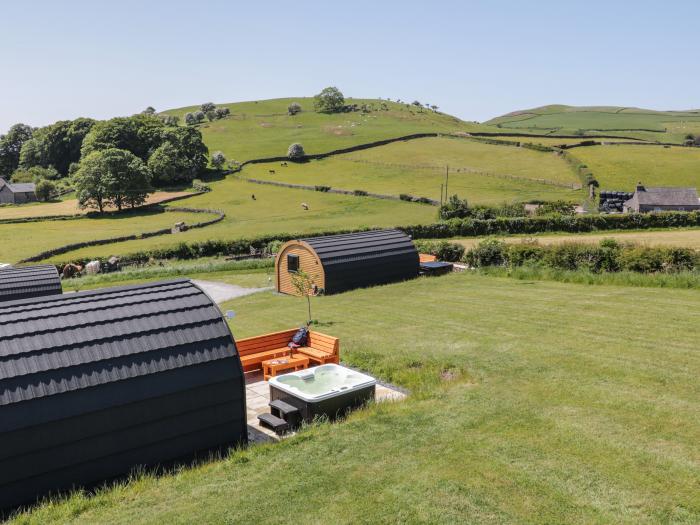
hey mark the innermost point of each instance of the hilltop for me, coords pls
(263, 128)
(662, 126)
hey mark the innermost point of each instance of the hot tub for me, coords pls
(326, 390)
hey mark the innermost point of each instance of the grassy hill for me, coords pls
(563, 404)
(482, 173)
(264, 129)
(663, 126)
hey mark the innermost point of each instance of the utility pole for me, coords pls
(442, 186)
(447, 180)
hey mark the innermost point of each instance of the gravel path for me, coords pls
(221, 292)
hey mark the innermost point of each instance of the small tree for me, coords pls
(150, 110)
(44, 190)
(330, 100)
(218, 159)
(294, 108)
(190, 119)
(211, 115)
(207, 107)
(222, 112)
(296, 152)
(305, 286)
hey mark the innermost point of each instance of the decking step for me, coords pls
(278, 425)
(283, 408)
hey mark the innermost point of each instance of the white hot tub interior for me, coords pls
(323, 380)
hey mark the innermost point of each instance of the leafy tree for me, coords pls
(454, 208)
(295, 151)
(222, 112)
(170, 120)
(211, 115)
(191, 149)
(294, 108)
(167, 165)
(10, 147)
(35, 174)
(56, 145)
(45, 189)
(330, 100)
(189, 119)
(207, 107)
(199, 116)
(218, 159)
(150, 110)
(114, 176)
(305, 286)
(139, 134)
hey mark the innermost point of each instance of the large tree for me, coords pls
(10, 147)
(139, 134)
(112, 176)
(330, 100)
(167, 165)
(57, 145)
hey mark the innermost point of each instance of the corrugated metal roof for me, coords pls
(668, 196)
(363, 245)
(53, 345)
(19, 187)
(29, 281)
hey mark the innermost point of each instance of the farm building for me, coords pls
(16, 193)
(662, 199)
(342, 262)
(95, 383)
(29, 281)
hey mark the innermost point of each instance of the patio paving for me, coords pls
(258, 397)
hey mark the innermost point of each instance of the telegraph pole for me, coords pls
(447, 180)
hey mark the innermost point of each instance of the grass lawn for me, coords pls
(264, 129)
(483, 173)
(685, 237)
(566, 404)
(619, 168)
(22, 240)
(275, 210)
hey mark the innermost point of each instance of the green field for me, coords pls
(482, 173)
(264, 129)
(532, 402)
(664, 126)
(621, 167)
(275, 211)
(19, 241)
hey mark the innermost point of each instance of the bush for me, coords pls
(405, 197)
(45, 189)
(443, 250)
(561, 207)
(454, 208)
(294, 108)
(295, 152)
(198, 185)
(525, 253)
(490, 252)
(218, 159)
(360, 193)
(322, 188)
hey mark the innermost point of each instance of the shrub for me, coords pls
(322, 188)
(295, 152)
(218, 159)
(490, 252)
(454, 208)
(294, 108)
(525, 253)
(360, 193)
(423, 200)
(405, 197)
(443, 250)
(561, 207)
(198, 185)
(45, 189)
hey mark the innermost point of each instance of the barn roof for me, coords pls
(29, 281)
(54, 345)
(19, 187)
(333, 249)
(666, 197)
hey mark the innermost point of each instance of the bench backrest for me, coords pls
(275, 340)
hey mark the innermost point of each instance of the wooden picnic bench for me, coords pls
(320, 348)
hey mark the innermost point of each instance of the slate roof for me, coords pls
(667, 197)
(28, 281)
(53, 345)
(333, 249)
(20, 187)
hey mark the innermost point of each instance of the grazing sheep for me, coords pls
(304, 205)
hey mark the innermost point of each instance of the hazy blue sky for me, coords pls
(475, 59)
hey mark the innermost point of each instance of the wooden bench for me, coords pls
(426, 257)
(320, 348)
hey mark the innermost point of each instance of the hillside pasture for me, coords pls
(274, 211)
(619, 168)
(264, 129)
(482, 173)
(531, 402)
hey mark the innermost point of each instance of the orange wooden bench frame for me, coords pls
(320, 348)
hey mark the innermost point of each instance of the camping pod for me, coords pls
(93, 384)
(336, 263)
(25, 282)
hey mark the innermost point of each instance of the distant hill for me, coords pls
(663, 126)
(263, 128)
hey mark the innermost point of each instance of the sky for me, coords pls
(473, 59)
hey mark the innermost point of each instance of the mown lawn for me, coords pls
(275, 210)
(22, 240)
(533, 402)
(619, 168)
(264, 129)
(482, 173)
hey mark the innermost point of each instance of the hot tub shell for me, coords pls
(332, 404)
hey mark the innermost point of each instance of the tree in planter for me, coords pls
(305, 285)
